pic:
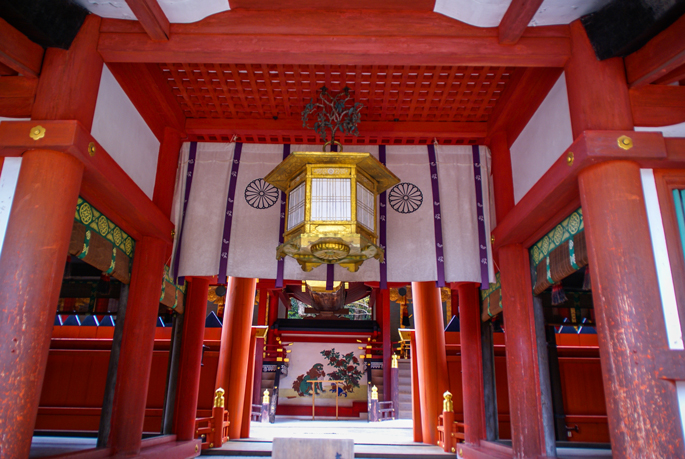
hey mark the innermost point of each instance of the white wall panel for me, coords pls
(542, 141)
(120, 129)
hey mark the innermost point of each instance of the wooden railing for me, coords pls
(213, 431)
(449, 431)
(379, 411)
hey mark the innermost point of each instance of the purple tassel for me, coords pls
(558, 294)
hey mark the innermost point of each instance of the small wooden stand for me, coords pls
(337, 387)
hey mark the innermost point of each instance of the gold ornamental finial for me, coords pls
(447, 402)
(219, 398)
(374, 393)
(265, 398)
(393, 364)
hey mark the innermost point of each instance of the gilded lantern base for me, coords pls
(312, 250)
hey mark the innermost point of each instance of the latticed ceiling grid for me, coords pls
(413, 93)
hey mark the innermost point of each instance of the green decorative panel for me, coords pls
(95, 220)
(169, 279)
(572, 225)
(679, 201)
(493, 287)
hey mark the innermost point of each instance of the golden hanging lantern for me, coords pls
(331, 207)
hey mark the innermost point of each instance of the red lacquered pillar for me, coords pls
(415, 393)
(383, 303)
(31, 268)
(471, 362)
(249, 388)
(135, 361)
(234, 353)
(523, 372)
(502, 179)
(191, 357)
(642, 409)
(430, 355)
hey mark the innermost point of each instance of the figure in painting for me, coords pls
(302, 385)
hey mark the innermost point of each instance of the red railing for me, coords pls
(213, 431)
(450, 432)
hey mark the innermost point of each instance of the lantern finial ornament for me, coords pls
(333, 113)
(331, 207)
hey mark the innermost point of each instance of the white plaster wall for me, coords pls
(674, 130)
(120, 129)
(542, 141)
(489, 13)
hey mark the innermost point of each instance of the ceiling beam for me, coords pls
(524, 94)
(415, 5)
(658, 105)
(148, 91)
(516, 19)
(677, 74)
(661, 55)
(410, 129)
(18, 52)
(151, 17)
(339, 37)
(17, 94)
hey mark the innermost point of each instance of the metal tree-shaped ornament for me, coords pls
(332, 113)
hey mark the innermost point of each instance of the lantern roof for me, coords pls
(281, 176)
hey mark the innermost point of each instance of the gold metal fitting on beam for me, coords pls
(569, 158)
(37, 132)
(91, 149)
(625, 142)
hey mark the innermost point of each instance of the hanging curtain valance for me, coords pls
(413, 251)
(491, 300)
(172, 293)
(96, 240)
(559, 253)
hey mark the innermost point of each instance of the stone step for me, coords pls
(405, 398)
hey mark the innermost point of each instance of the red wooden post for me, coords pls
(69, 81)
(258, 348)
(642, 410)
(249, 388)
(449, 440)
(383, 316)
(31, 267)
(523, 372)
(502, 179)
(415, 393)
(597, 90)
(216, 438)
(167, 163)
(395, 385)
(234, 352)
(471, 362)
(430, 355)
(272, 317)
(133, 375)
(191, 357)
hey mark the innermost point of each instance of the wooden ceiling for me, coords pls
(390, 94)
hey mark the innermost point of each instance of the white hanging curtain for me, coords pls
(410, 235)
